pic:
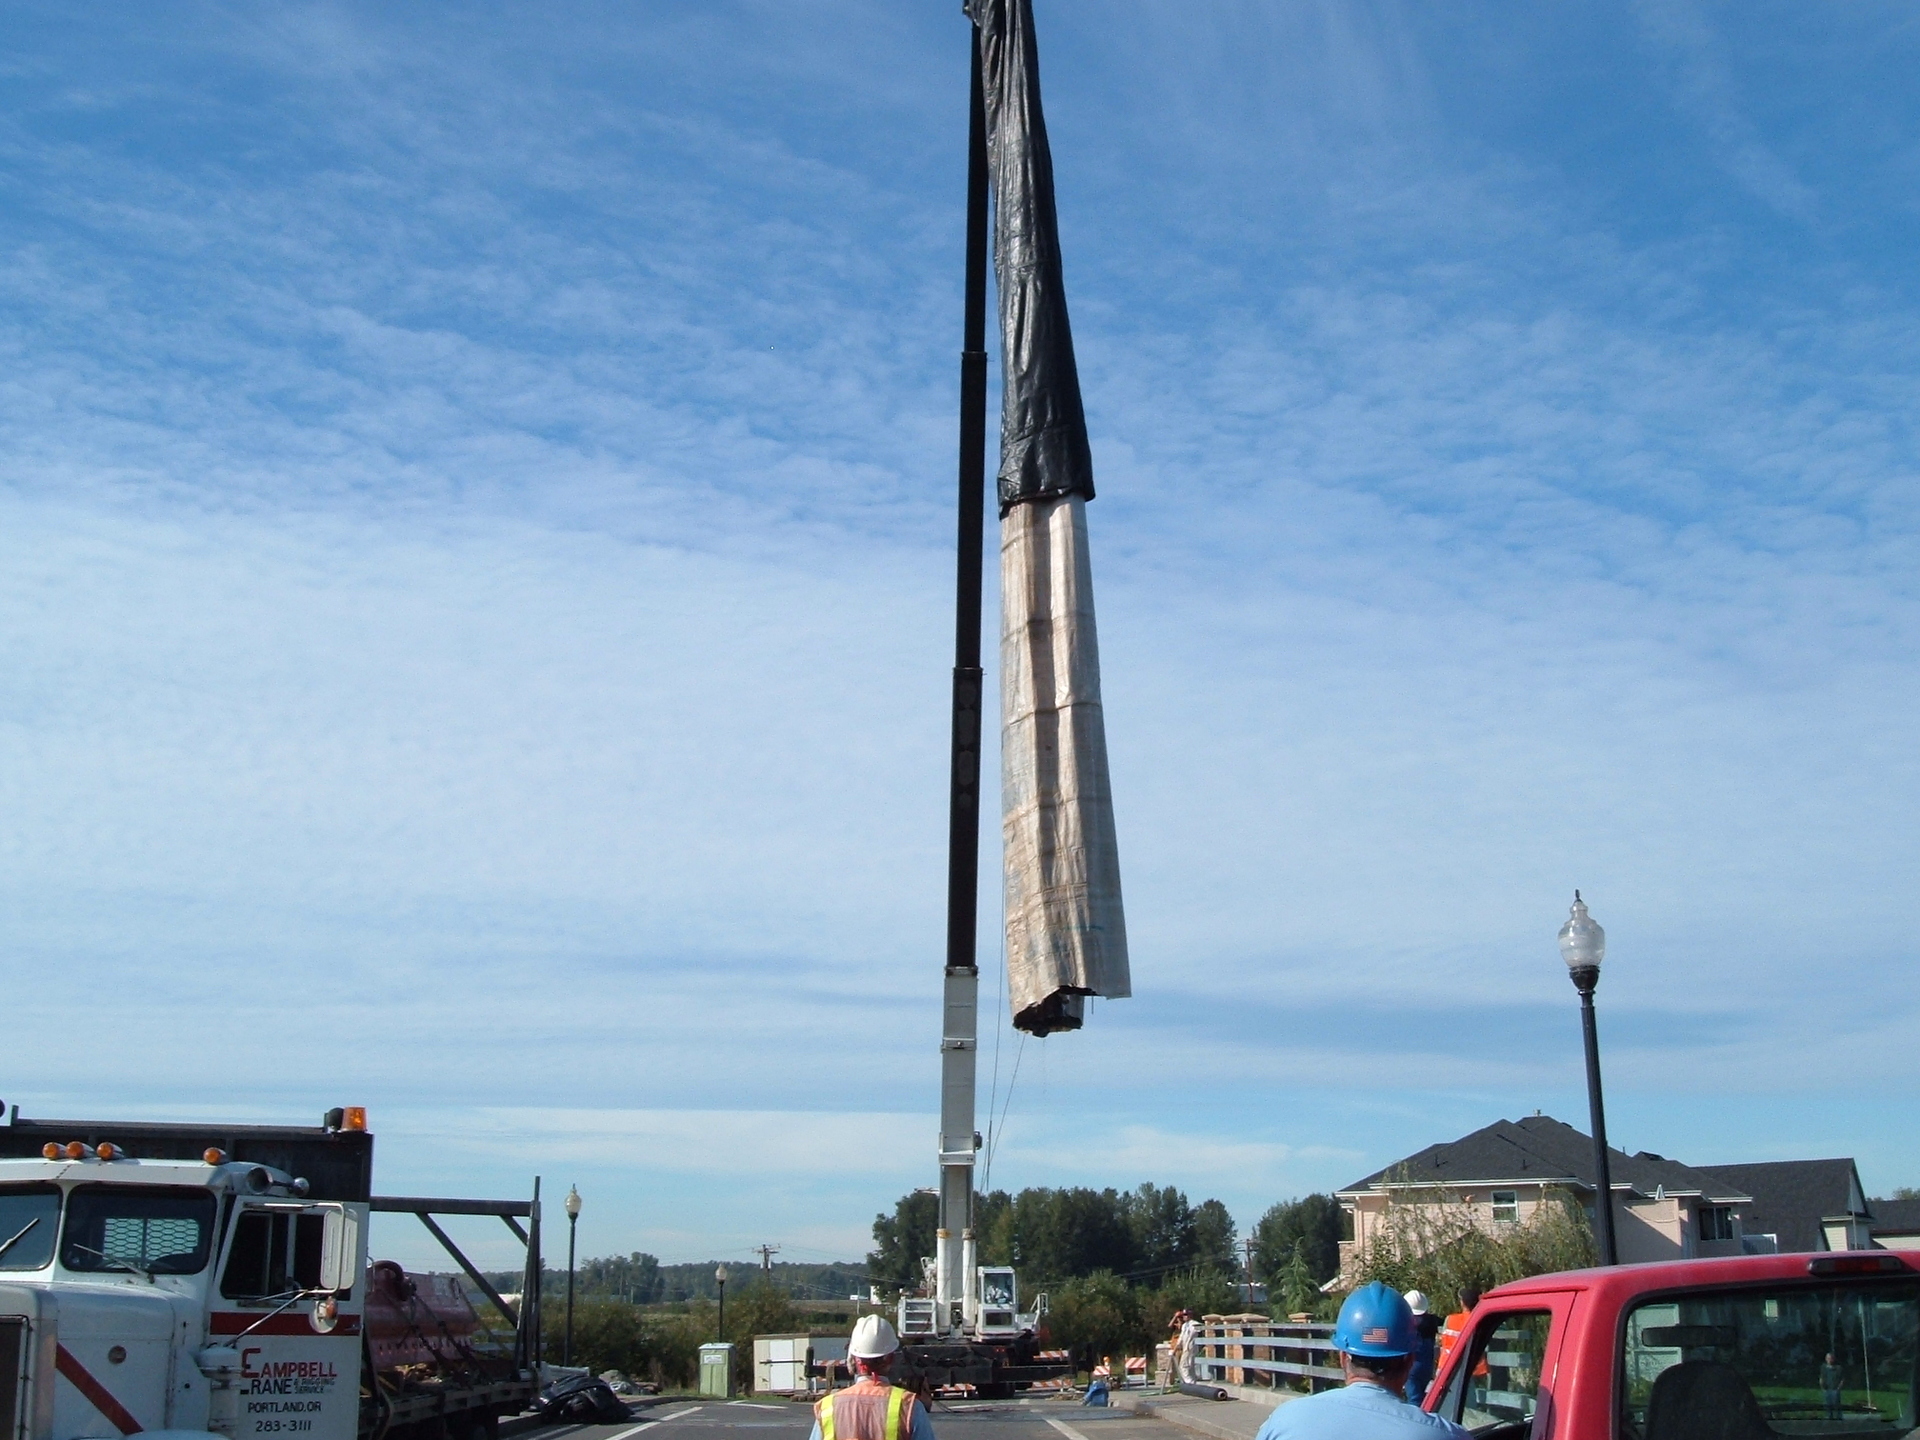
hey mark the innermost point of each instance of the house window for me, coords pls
(1716, 1222)
(1506, 1205)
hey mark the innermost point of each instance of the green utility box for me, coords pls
(716, 1370)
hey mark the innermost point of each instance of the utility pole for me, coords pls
(1249, 1271)
(767, 1252)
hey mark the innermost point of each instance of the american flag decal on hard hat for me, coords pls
(1375, 1336)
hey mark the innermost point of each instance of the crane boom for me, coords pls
(960, 1012)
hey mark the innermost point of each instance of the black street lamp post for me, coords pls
(720, 1279)
(573, 1225)
(1583, 944)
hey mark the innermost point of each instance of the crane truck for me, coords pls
(206, 1280)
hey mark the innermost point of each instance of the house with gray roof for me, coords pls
(1499, 1176)
(1895, 1224)
(1803, 1204)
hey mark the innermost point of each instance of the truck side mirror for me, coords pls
(339, 1249)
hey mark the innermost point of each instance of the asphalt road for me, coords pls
(717, 1420)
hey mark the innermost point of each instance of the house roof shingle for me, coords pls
(1791, 1197)
(1896, 1217)
(1543, 1150)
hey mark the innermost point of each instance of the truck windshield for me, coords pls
(1822, 1359)
(139, 1229)
(29, 1218)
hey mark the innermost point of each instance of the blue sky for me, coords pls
(475, 495)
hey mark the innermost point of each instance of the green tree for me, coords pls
(607, 1335)
(1203, 1291)
(901, 1240)
(674, 1341)
(760, 1309)
(1059, 1234)
(1214, 1236)
(1312, 1223)
(1095, 1316)
(1294, 1289)
(1160, 1225)
(634, 1277)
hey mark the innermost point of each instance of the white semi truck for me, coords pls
(179, 1280)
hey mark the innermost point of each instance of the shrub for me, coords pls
(1433, 1241)
(1095, 1316)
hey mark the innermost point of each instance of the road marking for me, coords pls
(634, 1430)
(1064, 1428)
(676, 1415)
(751, 1405)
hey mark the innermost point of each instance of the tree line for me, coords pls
(1117, 1264)
(1138, 1236)
(640, 1279)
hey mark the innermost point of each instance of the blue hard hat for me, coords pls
(1375, 1321)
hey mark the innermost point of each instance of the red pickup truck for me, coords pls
(1739, 1348)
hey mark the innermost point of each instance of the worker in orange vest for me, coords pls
(1456, 1325)
(871, 1408)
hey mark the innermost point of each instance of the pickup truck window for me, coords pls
(1500, 1382)
(138, 1229)
(273, 1254)
(29, 1220)
(1802, 1359)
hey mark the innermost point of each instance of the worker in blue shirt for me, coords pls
(1376, 1337)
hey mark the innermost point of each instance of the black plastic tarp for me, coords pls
(1043, 427)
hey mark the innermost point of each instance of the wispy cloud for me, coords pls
(474, 567)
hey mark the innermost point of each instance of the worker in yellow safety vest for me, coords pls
(870, 1408)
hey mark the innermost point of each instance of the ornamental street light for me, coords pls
(1583, 944)
(573, 1225)
(720, 1279)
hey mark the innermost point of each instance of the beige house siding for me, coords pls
(1369, 1211)
(1645, 1227)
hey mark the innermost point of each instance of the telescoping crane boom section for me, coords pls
(954, 1245)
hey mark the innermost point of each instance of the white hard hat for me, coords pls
(872, 1338)
(1416, 1301)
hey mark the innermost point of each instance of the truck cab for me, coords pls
(167, 1295)
(1739, 1348)
(997, 1304)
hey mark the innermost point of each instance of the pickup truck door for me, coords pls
(1502, 1376)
